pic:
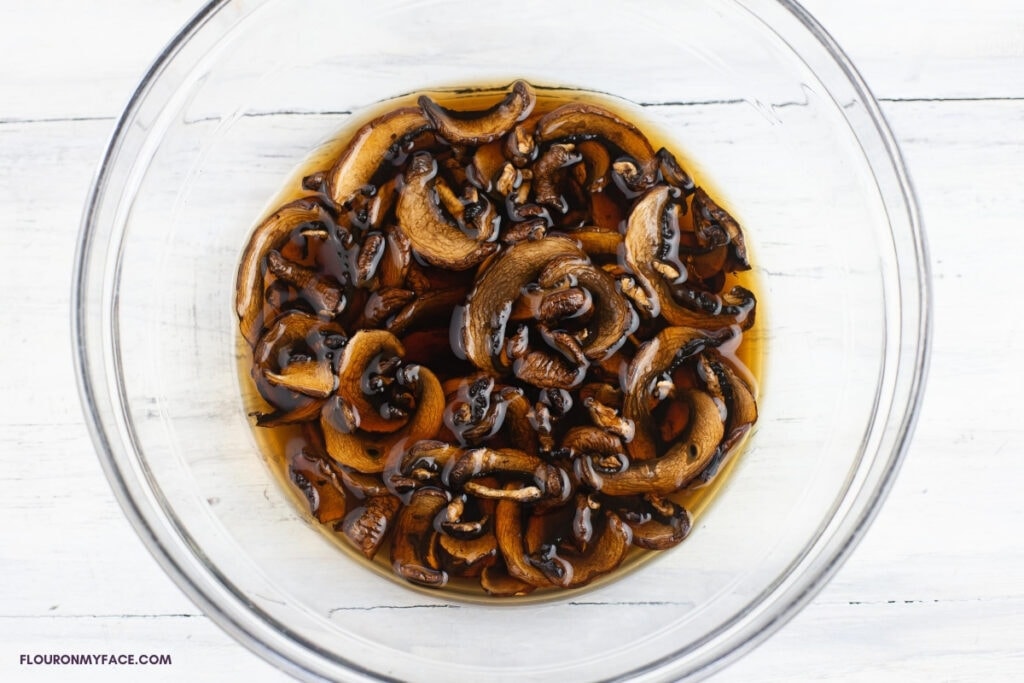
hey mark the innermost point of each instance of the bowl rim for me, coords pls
(753, 634)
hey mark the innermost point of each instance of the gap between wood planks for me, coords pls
(695, 103)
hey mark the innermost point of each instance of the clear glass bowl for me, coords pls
(753, 90)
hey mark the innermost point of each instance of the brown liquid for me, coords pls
(278, 443)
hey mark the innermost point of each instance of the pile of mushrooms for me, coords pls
(507, 339)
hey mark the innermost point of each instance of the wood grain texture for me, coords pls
(934, 592)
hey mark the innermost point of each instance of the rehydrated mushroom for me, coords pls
(683, 460)
(413, 547)
(294, 365)
(657, 523)
(320, 485)
(480, 127)
(270, 234)
(581, 121)
(651, 254)
(366, 526)
(369, 147)
(435, 237)
(361, 435)
(581, 281)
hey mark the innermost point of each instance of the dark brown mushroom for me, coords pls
(413, 556)
(710, 217)
(546, 172)
(581, 121)
(683, 460)
(651, 254)
(481, 127)
(508, 530)
(657, 523)
(365, 437)
(369, 147)
(274, 231)
(367, 525)
(322, 292)
(320, 485)
(433, 236)
(569, 569)
(496, 580)
(547, 480)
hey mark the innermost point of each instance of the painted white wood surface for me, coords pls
(935, 591)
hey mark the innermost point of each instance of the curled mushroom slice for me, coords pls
(363, 357)
(548, 480)
(657, 523)
(270, 234)
(496, 580)
(479, 332)
(480, 127)
(651, 254)
(321, 292)
(614, 319)
(580, 121)
(546, 169)
(366, 526)
(369, 147)
(568, 569)
(709, 216)
(508, 530)
(468, 557)
(413, 556)
(430, 232)
(604, 451)
(310, 377)
(319, 484)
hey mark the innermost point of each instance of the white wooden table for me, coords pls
(934, 593)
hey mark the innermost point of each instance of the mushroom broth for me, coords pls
(499, 340)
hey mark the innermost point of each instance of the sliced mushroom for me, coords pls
(548, 480)
(508, 530)
(546, 190)
(320, 486)
(430, 233)
(324, 294)
(496, 580)
(580, 121)
(468, 557)
(709, 216)
(369, 147)
(480, 331)
(364, 440)
(651, 242)
(412, 553)
(273, 232)
(481, 127)
(366, 526)
(657, 523)
(568, 569)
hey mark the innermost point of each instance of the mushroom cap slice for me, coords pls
(366, 526)
(508, 529)
(480, 331)
(270, 234)
(568, 569)
(583, 121)
(651, 254)
(363, 349)
(430, 232)
(357, 165)
(481, 127)
(412, 552)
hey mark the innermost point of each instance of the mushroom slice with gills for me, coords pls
(651, 254)
(579, 121)
(614, 318)
(657, 523)
(423, 463)
(478, 330)
(323, 293)
(610, 420)
(597, 163)
(428, 307)
(672, 172)
(550, 371)
(741, 407)
(604, 451)
(569, 569)
(431, 234)
(508, 531)
(369, 148)
(477, 410)
(367, 525)
(547, 481)
(319, 484)
(546, 172)
(683, 460)
(413, 556)
(356, 439)
(710, 217)
(272, 233)
(293, 365)
(480, 127)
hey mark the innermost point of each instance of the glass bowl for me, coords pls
(753, 91)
